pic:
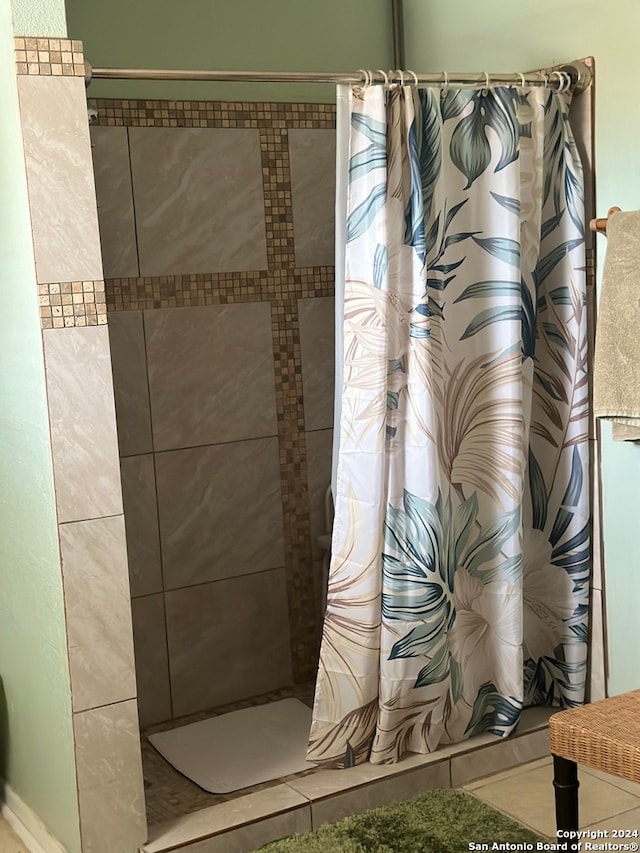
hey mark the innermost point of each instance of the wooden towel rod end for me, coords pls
(599, 226)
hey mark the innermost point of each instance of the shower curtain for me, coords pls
(458, 590)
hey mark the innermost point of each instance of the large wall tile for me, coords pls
(211, 374)
(96, 592)
(83, 423)
(312, 157)
(220, 511)
(198, 199)
(317, 341)
(228, 640)
(60, 175)
(141, 522)
(110, 783)
(152, 664)
(110, 148)
(130, 384)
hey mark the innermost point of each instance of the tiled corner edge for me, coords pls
(72, 303)
(49, 57)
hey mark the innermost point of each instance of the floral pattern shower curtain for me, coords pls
(459, 579)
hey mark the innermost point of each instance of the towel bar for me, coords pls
(600, 225)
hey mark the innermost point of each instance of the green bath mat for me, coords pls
(441, 821)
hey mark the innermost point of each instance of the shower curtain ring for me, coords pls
(522, 80)
(487, 83)
(385, 77)
(561, 82)
(400, 74)
(415, 77)
(545, 79)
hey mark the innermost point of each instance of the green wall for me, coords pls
(39, 18)
(498, 35)
(36, 737)
(278, 35)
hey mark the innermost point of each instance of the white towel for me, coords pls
(616, 381)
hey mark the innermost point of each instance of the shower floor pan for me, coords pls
(182, 817)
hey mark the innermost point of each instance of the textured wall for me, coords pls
(281, 35)
(506, 35)
(38, 17)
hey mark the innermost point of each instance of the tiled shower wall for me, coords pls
(216, 224)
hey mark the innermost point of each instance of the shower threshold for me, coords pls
(182, 817)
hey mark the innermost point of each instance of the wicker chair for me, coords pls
(605, 736)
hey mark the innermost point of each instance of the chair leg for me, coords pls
(565, 782)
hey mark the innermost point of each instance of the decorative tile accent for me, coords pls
(282, 284)
(72, 303)
(136, 113)
(49, 57)
(294, 477)
(278, 211)
(180, 291)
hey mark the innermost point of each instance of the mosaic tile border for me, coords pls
(72, 303)
(294, 484)
(49, 57)
(139, 113)
(183, 291)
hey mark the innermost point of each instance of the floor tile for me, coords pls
(528, 797)
(627, 821)
(508, 774)
(631, 787)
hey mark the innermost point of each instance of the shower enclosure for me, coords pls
(216, 227)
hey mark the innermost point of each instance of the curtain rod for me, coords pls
(576, 73)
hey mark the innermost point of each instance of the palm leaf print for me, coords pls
(470, 148)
